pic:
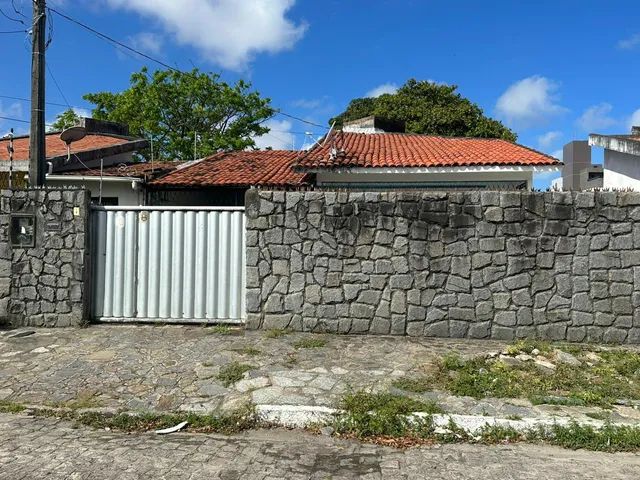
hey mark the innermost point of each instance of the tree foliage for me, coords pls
(171, 108)
(64, 120)
(428, 108)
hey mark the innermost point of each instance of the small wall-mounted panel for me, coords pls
(23, 230)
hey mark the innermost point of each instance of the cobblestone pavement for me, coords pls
(36, 448)
(164, 368)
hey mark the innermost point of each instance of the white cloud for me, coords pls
(630, 43)
(548, 139)
(558, 154)
(596, 117)
(82, 112)
(13, 110)
(147, 42)
(382, 89)
(530, 101)
(634, 120)
(228, 32)
(279, 136)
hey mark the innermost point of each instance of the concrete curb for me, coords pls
(297, 416)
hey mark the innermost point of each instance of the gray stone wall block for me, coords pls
(504, 265)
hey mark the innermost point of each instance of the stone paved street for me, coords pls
(174, 367)
(164, 368)
(39, 448)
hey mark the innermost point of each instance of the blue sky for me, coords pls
(552, 70)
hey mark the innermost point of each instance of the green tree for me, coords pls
(171, 107)
(64, 120)
(428, 108)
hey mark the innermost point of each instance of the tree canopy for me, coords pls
(428, 108)
(172, 107)
(66, 119)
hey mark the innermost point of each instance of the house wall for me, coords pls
(621, 170)
(122, 190)
(46, 284)
(397, 179)
(556, 265)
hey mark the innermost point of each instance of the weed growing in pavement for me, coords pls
(224, 330)
(615, 375)
(371, 414)
(528, 346)
(386, 419)
(277, 332)
(82, 400)
(310, 343)
(232, 373)
(251, 351)
(244, 418)
(11, 407)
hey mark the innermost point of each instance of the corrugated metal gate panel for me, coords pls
(162, 264)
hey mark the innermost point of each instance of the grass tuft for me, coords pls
(276, 332)
(251, 351)
(616, 376)
(11, 407)
(232, 373)
(224, 330)
(310, 343)
(374, 414)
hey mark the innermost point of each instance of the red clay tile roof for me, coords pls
(140, 169)
(409, 151)
(56, 147)
(270, 168)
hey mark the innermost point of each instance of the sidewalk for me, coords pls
(168, 368)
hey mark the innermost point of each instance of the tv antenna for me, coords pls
(71, 135)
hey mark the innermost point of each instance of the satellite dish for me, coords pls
(71, 135)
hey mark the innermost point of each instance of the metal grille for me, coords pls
(169, 264)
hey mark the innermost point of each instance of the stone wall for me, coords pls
(559, 266)
(47, 284)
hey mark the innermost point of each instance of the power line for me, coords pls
(48, 103)
(58, 87)
(301, 119)
(159, 62)
(113, 40)
(21, 121)
(15, 31)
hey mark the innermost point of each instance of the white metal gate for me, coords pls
(180, 264)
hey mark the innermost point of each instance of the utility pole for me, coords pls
(37, 153)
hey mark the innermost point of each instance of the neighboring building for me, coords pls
(106, 144)
(222, 179)
(123, 184)
(376, 160)
(621, 159)
(578, 172)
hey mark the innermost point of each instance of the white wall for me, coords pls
(127, 196)
(621, 170)
(413, 178)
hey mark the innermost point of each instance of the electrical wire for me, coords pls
(17, 20)
(22, 99)
(58, 86)
(21, 121)
(14, 31)
(113, 41)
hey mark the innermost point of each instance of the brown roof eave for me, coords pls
(60, 165)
